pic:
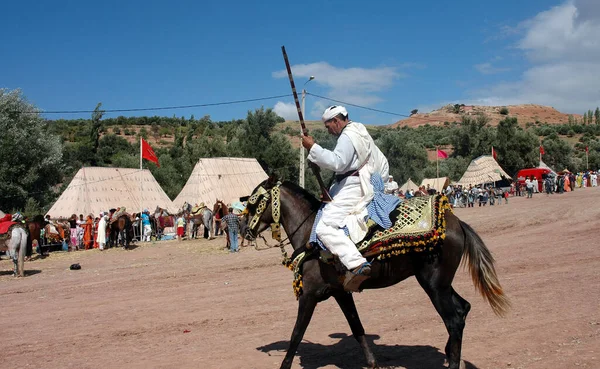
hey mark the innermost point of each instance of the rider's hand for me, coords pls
(308, 142)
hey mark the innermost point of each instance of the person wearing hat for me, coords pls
(146, 223)
(354, 160)
(391, 186)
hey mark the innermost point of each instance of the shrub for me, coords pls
(504, 110)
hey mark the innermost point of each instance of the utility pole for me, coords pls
(301, 181)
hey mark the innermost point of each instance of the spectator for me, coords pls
(146, 223)
(101, 234)
(391, 186)
(529, 187)
(232, 222)
(180, 227)
(73, 226)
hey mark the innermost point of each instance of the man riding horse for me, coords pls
(354, 160)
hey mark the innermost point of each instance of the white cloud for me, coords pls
(353, 85)
(563, 48)
(488, 68)
(287, 111)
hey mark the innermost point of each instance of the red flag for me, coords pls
(542, 150)
(442, 154)
(148, 153)
(494, 155)
(587, 150)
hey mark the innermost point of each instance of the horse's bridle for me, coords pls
(262, 196)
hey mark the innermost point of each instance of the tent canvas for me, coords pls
(439, 184)
(226, 179)
(409, 185)
(484, 169)
(95, 189)
(545, 166)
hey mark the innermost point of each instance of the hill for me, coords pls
(526, 113)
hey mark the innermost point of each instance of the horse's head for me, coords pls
(263, 210)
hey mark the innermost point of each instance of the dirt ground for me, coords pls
(192, 305)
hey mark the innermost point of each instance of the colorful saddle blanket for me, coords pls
(418, 225)
(6, 223)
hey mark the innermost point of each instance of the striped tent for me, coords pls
(484, 169)
(225, 179)
(96, 189)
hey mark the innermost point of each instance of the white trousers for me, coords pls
(329, 229)
(147, 232)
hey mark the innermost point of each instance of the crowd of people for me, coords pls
(89, 232)
(482, 195)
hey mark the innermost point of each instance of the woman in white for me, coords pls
(101, 237)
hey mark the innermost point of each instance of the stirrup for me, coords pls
(354, 278)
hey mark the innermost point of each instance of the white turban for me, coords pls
(333, 111)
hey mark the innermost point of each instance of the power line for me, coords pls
(358, 106)
(158, 108)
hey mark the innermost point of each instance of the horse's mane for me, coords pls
(39, 219)
(302, 193)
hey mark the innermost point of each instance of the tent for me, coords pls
(484, 169)
(95, 189)
(439, 184)
(409, 185)
(545, 166)
(226, 179)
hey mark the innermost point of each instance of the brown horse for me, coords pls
(434, 271)
(219, 211)
(35, 227)
(121, 231)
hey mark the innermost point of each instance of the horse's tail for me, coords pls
(483, 273)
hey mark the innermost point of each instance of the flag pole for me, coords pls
(437, 163)
(141, 192)
(587, 164)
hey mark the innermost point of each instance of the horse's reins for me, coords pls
(275, 227)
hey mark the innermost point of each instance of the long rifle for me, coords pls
(325, 197)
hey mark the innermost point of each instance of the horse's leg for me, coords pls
(452, 308)
(306, 308)
(346, 303)
(124, 238)
(22, 254)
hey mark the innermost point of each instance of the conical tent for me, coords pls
(409, 185)
(95, 189)
(439, 184)
(225, 179)
(484, 169)
(545, 166)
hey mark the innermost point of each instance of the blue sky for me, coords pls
(394, 55)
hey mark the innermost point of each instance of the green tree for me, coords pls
(96, 130)
(516, 148)
(406, 158)
(597, 115)
(111, 145)
(31, 157)
(473, 138)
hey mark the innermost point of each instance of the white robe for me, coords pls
(391, 187)
(101, 236)
(355, 149)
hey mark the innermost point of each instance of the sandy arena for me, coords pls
(190, 304)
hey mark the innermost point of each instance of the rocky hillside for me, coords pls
(527, 113)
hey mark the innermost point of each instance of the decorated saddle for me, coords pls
(6, 225)
(418, 226)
